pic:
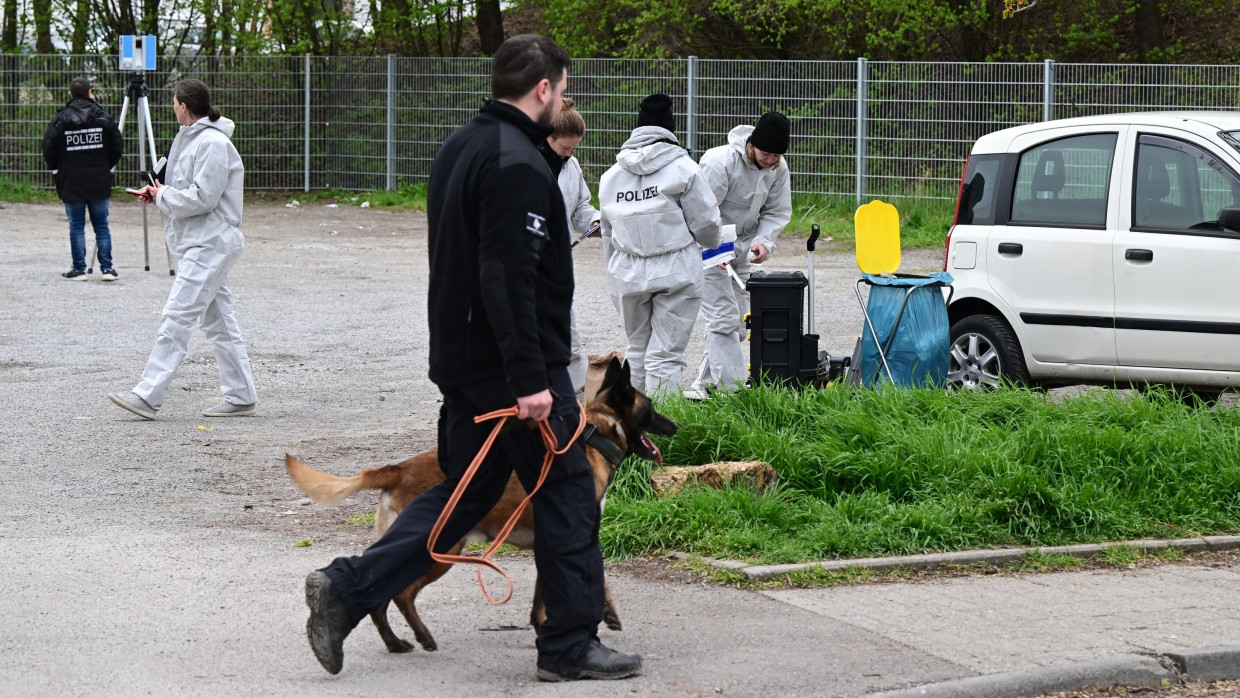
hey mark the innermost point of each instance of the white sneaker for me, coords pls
(227, 409)
(696, 395)
(134, 403)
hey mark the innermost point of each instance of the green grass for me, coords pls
(410, 197)
(923, 222)
(23, 192)
(894, 472)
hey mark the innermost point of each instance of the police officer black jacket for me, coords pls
(501, 267)
(82, 145)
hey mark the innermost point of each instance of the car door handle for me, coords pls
(1011, 248)
(1139, 255)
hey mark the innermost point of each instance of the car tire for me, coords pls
(985, 353)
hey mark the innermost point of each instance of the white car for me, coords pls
(1102, 249)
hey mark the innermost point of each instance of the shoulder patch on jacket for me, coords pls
(536, 224)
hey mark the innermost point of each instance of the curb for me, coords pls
(1135, 670)
(1132, 670)
(1129, 669)
(760, 573)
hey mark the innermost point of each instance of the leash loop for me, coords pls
(553, 450)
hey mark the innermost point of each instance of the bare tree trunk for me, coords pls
(209, 14)
(43, 26)
(81, 20)
(1148, 26)
(126, 23)
(490, 25)
(150, 17)
(8, 42)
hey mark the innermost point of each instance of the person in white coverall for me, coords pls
(557, 150)
(200, 201)
(658, 212)
(750, 179)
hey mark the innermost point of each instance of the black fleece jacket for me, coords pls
(501, 268)
(82, 145)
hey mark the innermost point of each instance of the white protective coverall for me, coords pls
(581, 214)
(758, 201)
(201, 209)
(656, 205)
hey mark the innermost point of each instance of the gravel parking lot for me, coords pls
(161, 557)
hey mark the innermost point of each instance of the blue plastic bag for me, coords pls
(920, 353)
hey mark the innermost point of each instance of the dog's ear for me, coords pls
(624, 385)
(613, 374)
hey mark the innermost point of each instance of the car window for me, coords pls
(1178, 186)
(979, 190)
(1065, 182)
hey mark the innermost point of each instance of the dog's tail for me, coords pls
(325, 487)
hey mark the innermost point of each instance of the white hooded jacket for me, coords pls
(757, 200)
(654, 199)
(202, 202)
(576, 196)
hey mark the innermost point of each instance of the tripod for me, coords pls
(136, 93)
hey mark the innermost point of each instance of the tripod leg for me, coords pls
(90, 257)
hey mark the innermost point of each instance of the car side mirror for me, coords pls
(1229, 219)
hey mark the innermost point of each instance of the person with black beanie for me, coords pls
(750, 178)
(658, 213)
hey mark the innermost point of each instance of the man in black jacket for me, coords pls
(81, 146)
(501, 285)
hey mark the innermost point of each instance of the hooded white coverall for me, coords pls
(759, 202)
(656, 205)
(201, 210)
(580, 215)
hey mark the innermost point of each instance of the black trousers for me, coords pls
(566, 519)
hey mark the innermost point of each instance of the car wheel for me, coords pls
(985, 353)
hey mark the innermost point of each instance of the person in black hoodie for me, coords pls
(81, 146)
(501, 286)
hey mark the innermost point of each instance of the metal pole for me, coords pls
(150, 130)
(307, 161)
(862, 88)
(691, 116)
(1048, 89)
(391, 122)
(146, 242)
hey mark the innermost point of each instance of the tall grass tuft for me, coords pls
(895, 471)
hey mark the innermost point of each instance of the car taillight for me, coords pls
(947, 243)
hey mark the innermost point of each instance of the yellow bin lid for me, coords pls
(877, 231)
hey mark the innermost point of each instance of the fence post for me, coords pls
(691, 117)
(1048, 89)
(862, 113)
(307, 174)
(391, 122)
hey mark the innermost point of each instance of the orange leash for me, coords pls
(549, 441)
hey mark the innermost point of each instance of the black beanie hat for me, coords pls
(656, 110)
(771, 133)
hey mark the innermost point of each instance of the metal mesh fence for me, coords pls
(891, 129)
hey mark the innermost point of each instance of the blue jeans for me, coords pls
(77, 231)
